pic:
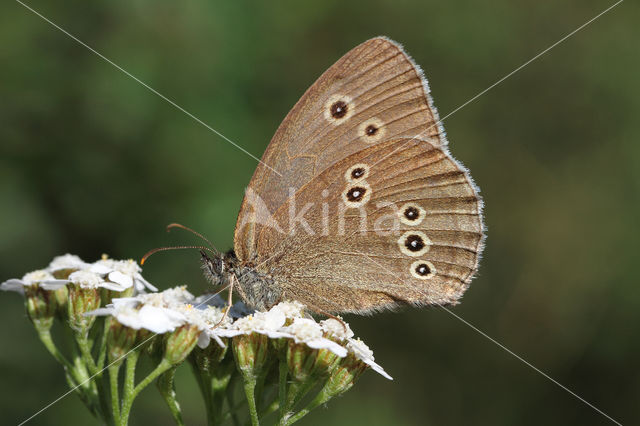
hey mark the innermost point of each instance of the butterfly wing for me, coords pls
(397, 222)
(373, 93)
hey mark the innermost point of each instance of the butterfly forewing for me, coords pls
(373, 93)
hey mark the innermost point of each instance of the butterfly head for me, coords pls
(218, 267)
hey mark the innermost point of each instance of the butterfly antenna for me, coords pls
(156, 250)
(196, 233)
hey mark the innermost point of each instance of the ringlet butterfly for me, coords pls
(357, 205)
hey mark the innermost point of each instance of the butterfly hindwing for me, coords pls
(363, 259)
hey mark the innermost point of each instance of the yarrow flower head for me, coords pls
(155, 312)
(63, 266)
(125, 273)
(41, 277)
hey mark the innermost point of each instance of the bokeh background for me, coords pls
(91, 162)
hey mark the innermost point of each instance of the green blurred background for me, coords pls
(91, 162)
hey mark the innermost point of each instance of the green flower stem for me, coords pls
(103, 342)
(131, 390)
(166, 387)
(85, 345)
(204, 383)
(249, 390)
(129, 387)
(85, 350)
(271, 408)
(161, 368)
(218, 387)
(114, 370)
(323, 396)
(282, 387)
(304, 388)
(47, 341)
(85, 386)
(233, 408)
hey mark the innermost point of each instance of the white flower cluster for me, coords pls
(165, 311)
(116, 275)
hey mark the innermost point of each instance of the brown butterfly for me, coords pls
(357, 205)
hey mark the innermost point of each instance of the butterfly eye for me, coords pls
(422, 270)
(371, 130)
(338, 109)
(411, 214)
(357, 172)
(414, 243)
(357, 195)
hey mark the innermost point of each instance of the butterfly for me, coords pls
(357, 205)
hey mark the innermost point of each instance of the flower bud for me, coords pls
(251, 352)
(61, 295)
(41, 306)
(120, 341)
(82, 300)
(207, 359)
(304, 362)
(180, 343)
(344, 375)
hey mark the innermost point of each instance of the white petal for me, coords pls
(120, 302)
(159, 320)
(13, 284)
(274, 319)
(145, 283)
(100, 312)
(276, 334)
(225, 332)
(118, 277)
(99, 268)
(67, 261)
(112, 286)
(203, 340)
(216, 338)
(54, 284)
(375, 367)
(327, 344)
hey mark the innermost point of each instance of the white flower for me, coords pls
(67, 261)
(152, 318)
(88, 279)
(126, 273)
(209, 320)
(362, 352)
(169, 298)
(156, 312)
(309, 332)
(41, 277)
(336, 329)
(268, 323)
(291, 309)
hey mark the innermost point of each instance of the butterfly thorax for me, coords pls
(256, 288)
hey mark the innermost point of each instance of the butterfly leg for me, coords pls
(328, 315)
(229, 300)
